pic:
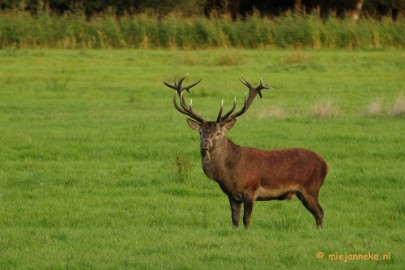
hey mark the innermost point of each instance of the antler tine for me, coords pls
(262, 86)
(177, 85)
(181, 80)
(220, 111)
(169, 85)
(183, 108)
(182, 101)
(243, 110)
(253, 91)
(189, 110)
(190, 107)
(187, 88)
(230, 111)
(177, 106)
(245, 82)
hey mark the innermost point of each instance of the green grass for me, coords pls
(98, 170)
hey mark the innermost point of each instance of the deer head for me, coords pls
(212, 132)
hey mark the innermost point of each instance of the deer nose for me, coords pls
(205, 143)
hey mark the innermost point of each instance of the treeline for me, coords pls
(237, 8)
(76, 31)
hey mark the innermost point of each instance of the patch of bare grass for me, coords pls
(398, 108)
(325, 109)
(296, 58)
(190, 59)
(376, 107)
(230, 59)
(276, 112)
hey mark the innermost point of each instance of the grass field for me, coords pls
(98, 170)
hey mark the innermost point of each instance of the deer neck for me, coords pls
(219, 160)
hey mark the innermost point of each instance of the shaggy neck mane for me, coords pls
(217, 161)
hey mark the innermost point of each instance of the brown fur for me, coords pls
(247, 174)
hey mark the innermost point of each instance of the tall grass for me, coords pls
(22, 30)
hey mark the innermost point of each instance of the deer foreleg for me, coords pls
(247, 208)
(235, 207)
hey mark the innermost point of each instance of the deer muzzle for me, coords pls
(206, 144)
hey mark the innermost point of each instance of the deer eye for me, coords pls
(218, 133)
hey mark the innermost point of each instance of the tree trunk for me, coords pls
(298, 7)
(234, 9)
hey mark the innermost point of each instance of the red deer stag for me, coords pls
(247, 174)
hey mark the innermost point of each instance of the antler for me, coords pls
(177, 86)
(184, 109)
(253, 91)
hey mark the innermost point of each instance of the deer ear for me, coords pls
(228, 124)
(193, 124)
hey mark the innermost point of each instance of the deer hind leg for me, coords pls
(235, 207)
(311, 203)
